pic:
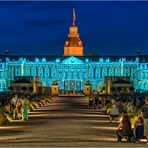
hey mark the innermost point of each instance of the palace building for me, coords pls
(73, 69)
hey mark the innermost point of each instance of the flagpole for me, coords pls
(74, 17)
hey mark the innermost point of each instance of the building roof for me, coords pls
(121, 81)
(93, 58)
(23, 80)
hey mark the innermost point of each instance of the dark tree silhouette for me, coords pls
(10, 88)
(132, 89)
(103, 88)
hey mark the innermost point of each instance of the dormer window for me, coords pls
(80, 43)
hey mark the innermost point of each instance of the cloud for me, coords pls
(46, 23)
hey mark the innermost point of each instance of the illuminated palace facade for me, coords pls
(73, 69)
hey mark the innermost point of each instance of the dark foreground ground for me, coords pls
(66, 122)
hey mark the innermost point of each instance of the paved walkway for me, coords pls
(66, 121)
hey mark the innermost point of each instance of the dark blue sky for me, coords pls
(106, 28)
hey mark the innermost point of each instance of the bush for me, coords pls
(8, 116)
(3, 118)
(32, 105)
(35, 104)
(43, 102)
(107, 107)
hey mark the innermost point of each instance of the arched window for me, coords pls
(66, 74)
(37, 71)
(108, 71)
(78, 74)
(101, 72)
(94, 73)
(114, 71)
(72, 74)
(13, 71)
(43, 71)
(30, 68)
(49, 68)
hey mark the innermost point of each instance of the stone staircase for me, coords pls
(63, 122)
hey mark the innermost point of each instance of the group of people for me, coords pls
(125, 128)
(141, 130)
(123, 107)
(18, 106)
(98, 101)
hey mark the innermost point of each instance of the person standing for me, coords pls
(25, 106)
(144, 114)
(15, 109)
(120, 106)
(114, 112)
(19, 105)
(129, 107)
(103, 101)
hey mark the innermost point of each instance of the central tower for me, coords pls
(73, 45)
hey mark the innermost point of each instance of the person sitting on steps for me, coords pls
(124, 129)
(139, 131)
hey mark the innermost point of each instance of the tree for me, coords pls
(10, 88)
(132, 89)
(103, 88)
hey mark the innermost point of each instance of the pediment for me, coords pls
(72, 60)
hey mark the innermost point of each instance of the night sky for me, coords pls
(106, 28)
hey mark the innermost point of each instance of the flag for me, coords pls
(74, 17)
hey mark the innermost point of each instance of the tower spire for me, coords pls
(73, 45)
(74, 17)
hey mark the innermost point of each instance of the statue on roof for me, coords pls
(55, 82)
(87, 83)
